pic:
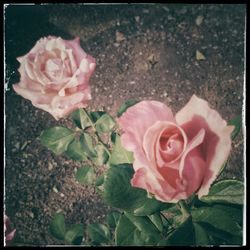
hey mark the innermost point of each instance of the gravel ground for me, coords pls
(143, 52)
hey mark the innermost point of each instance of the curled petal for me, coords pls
(151, 142)
(136, 121)
(195, 115)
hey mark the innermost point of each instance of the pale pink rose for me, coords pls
(55, 76)
(9, 234)
(175, 156)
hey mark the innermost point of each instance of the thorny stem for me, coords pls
(96, 134)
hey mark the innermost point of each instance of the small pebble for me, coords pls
(137, 19)
(50, 166)
(199, 20)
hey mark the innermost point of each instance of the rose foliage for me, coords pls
(161, 178)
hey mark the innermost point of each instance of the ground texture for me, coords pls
(143, 52)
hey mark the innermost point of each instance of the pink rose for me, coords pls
(175, 157)
(55, 76)
(9, 234)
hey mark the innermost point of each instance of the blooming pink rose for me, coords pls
(175, 157)
(55, 76)
(9, 234)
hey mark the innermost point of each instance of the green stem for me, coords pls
(166, 218)
(96, 134)
(183, 208)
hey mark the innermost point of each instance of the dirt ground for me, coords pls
(152, 57)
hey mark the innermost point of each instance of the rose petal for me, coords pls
(10, 236)
(55, 43)
(151, 142)
(192, 166)
(193, 172)
(136, 121)
(217, 142)
(80, 78)
(146, 179)
(36, 97)
(79, 53)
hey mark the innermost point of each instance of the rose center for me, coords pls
(171, 145)
(53, 68)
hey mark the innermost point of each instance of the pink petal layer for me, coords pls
(136, 121)
(146, 179)
(151, 141)
(11, 235)
(79, 53)
(192, 166)
(57, 106)
(37, 97)
(196, 115)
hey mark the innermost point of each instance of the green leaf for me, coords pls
(99, 183)
(157, 221)
(74, 234)
(102, 155)
(57, 227)
(201, 236)
(125, 234)
(183, 235)
(236, 122)
(96, 115)
(217, 218)
(136, 231)
(76, 151)
(88, 146)
(233, 211)
(57, 139)
(113, 218)
(85, 175)
(143, 223)
(119, 154)
(99, 180)
(104, 124)
(162, 243)
(225, 191)
(125, 106)
(80, 118)
(113, 136)
(98, 233)
(119, 193)
(150, 206)
(220, 237)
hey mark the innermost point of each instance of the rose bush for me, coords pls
(175, 156)
(55, 76)
(9, 234)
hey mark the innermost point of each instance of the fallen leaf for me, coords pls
(119, 36)
(55, 189)
(152, 59)
(199, 56)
